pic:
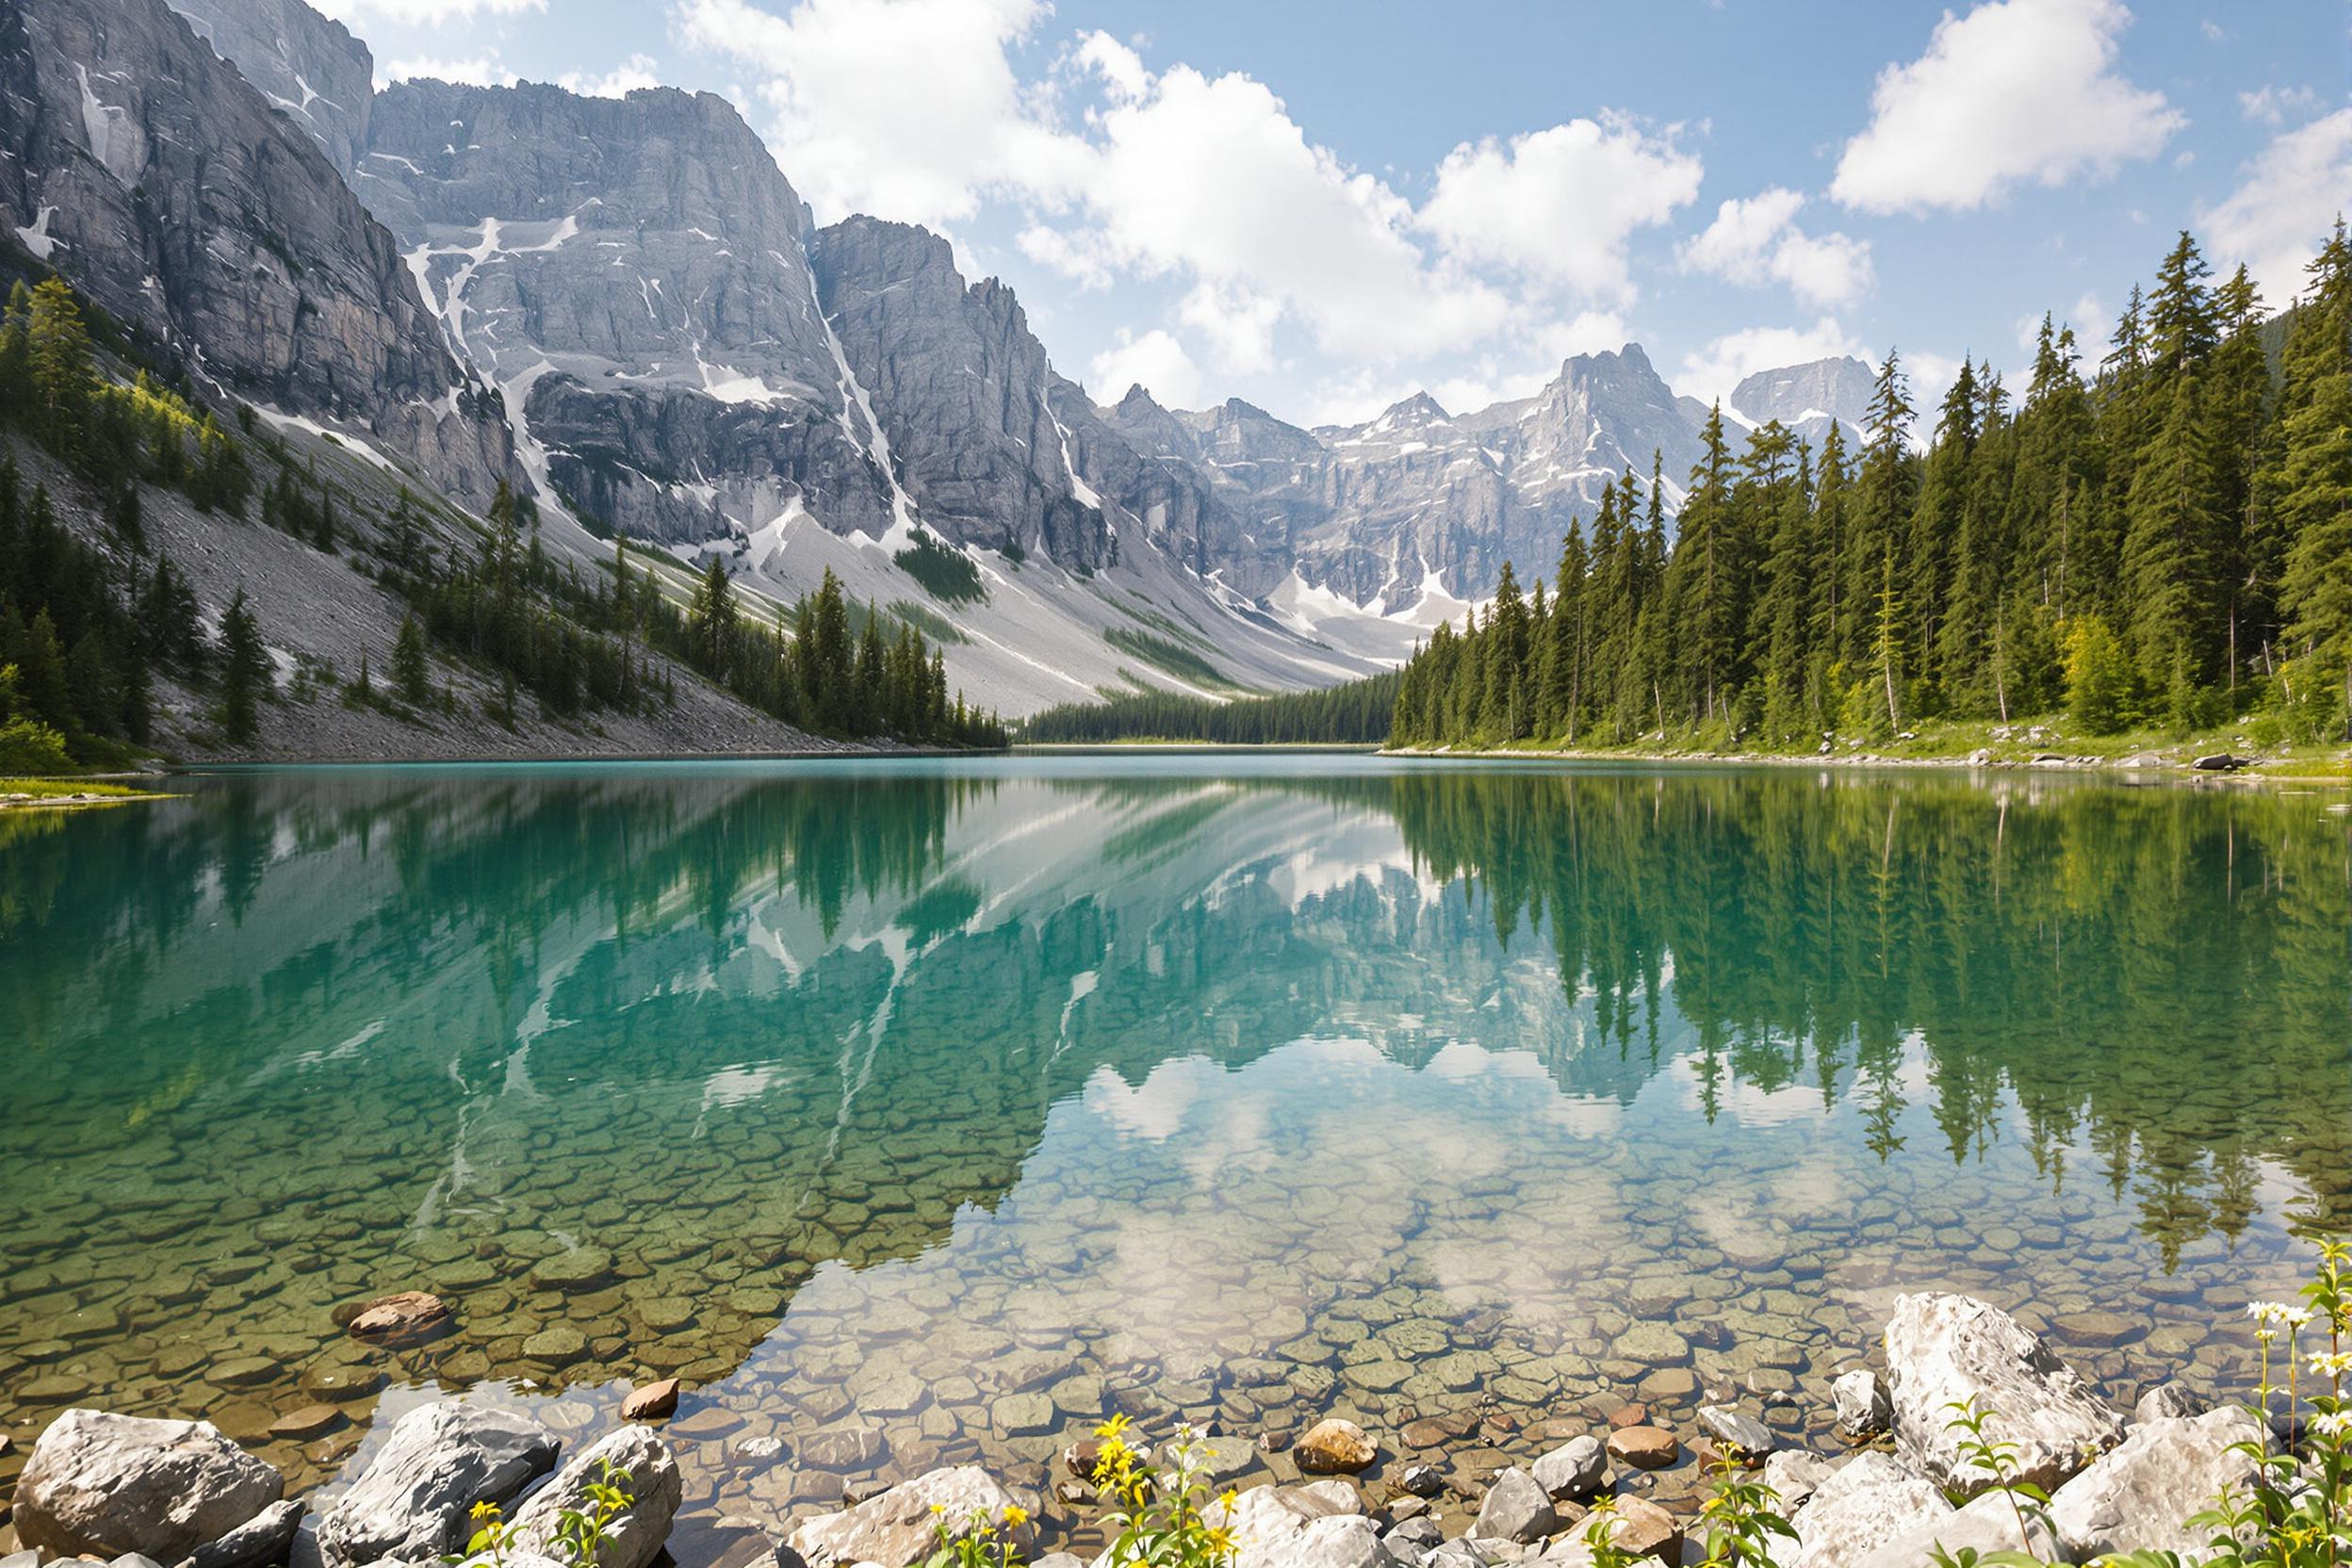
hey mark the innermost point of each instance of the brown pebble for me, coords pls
(408, 1314)
(306, 1423)
(1644, 1448)
(1080, 1458)
(1647, 1529)
(1630, 1416)
(652, 1402)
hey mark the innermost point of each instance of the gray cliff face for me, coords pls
(633, 275)
(158, 181)
(1806, 398)
(963, 392)
(309, 69)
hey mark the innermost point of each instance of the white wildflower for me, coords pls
(2268, 1311)
(2331, 1363)
(2337, 1424)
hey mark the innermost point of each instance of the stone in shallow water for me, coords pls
(850, 1447)
(1738, 1432)
(99, 1484)
(1516, 1508)
(1864, 1407)
(1644, 1448)
(1653, 1344)
(408, 1314)
(558, 1344)
(651, 1401)
(308, 1422)
(1333, 1446)
(1576, 1468)
(581, 1268)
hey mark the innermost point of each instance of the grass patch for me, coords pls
(1171, 658)
(928, 621)
(36, 792)
(946, 575)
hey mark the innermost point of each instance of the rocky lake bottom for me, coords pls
(929, 1112)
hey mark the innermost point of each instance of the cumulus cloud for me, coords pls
(1559, 205)
(2288, 198)
(906, 109)
(638, 70)
(1756, 240)
(423, 13)
(2272, 104)
(1157, 361)
(2014, 91)
(473, 71)
(1714, 370)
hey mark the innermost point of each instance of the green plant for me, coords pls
(1740, 1516)
(982, 1543)
(2028, 1502)
(581, 1534)
(1158, 1514)
(948, 575)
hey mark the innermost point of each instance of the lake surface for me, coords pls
(921, 1112)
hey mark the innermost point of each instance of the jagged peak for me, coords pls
(1419, 408)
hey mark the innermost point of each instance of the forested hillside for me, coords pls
(88, 626)
(1357, 713)
(2164, 540)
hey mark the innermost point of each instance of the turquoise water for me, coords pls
(921, 1112)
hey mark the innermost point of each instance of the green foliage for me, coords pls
(245, 677)
(581, 1534)
(1357, 713)
(1159, 1515)
(1170, 658)
(983, 1542)
(947, 575)
(2175, 534)
(28, 746)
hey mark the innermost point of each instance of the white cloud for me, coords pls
(1757, 240)
(475, 71)
(1493, 377)
(1238, 324)
(2272, 104)
(1559, 205)
(1714, 370)
(638, 70)
(2291, 196)
(423, 13)
(2016, 91)
(905, 108)
(1155, 360)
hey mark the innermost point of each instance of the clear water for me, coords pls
(921, 1112)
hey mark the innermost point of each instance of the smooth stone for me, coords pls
(1653, 1344)
(1516, 1508)
(642, 1466)
(1864, 1503)
(405, 1315)
(2169, 1402)
(308, 1422)
(1333, 1446)
(1794, 1475)
(652, 1401)
(2139, 1496)
(1644, 1448)
(1943, 1349)
(263, 1539)
(1577, 1468)
(98, 1484)
(558, 1344)
(413, 1503)
(1864, 1407)
(1319, 1526)
(242, 1372)
(581, 1268)
(1421, 1480)
(852, 1447)
(1629, 1415)
(1742, 1434)
(902, 1523)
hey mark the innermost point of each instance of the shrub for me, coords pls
(29, 746)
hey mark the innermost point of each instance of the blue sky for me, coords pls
(1323, 207)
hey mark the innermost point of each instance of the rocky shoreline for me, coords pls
(141, 1493)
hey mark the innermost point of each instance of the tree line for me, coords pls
(2165, 541)
(1356, 713)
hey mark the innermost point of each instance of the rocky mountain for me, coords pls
(309, 68)
(1417, 501)
(634, 290)
(1806, 398)
(222, 236)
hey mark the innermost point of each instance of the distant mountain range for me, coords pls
(623, 304)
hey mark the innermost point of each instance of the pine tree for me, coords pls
(2314, 489)
(412, 675)
(711, 621)
(245, 672)
(62, 381)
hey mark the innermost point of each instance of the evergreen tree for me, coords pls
(245, 672)
(412, 675)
